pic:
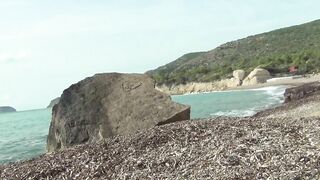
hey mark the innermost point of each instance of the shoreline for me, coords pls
(266, 144)
(224, 148)
(237, 89)
(213, 87)
(306, 106)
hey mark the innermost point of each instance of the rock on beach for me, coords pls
(110, 104)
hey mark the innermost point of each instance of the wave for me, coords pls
(273, 90)
(235, 113)
(275, 93)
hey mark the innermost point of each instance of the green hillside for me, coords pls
(276, 51)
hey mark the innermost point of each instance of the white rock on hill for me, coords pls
(257, 76)
(239, 74)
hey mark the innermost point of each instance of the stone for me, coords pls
(5, 109)
(257, 76)
(300, 92)
(110, 104)
(239, 74)
(233, 82)
(53, 102)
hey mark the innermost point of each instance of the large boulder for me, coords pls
(53, 102)
(110, 104)
(257, 76)
(239, 74)
(233, 82)
(300, 92)
(5, 109)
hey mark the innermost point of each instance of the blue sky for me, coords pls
(46, 45)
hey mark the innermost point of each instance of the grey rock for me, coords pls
(53, 102)
(300, 92)
(110, 104)
(5, 109)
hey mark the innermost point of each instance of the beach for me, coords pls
(229, 84)
(159, 90)
(282, 142)
(303, 108)
(286, 81)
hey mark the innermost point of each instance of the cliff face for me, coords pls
(54, 102)
(110, 104)
(4, 109)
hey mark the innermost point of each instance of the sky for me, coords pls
(47, 45)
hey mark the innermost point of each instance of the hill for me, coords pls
(276, 51)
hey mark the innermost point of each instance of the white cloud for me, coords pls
(6, 57)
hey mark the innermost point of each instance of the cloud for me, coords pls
(13, 57)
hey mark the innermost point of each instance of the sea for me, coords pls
(23, 134)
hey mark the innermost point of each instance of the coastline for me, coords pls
(223, 148)
(307, 106)
(196, 87)
(282, 142)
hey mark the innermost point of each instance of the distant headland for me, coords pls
(54, 102)
(4, 109)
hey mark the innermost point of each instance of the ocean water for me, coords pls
(23, 134)
(237, 103)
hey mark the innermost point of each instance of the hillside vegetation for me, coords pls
(276, 51)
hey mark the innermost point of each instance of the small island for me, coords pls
(5, 109)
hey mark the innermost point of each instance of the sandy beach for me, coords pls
(283, 82)
(223, 85)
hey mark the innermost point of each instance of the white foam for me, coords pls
(235, 113)
(272, 96)
(279, 90)
(270, 89)
(276, 92)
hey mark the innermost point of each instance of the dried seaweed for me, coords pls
(223, 148)
(281, 143)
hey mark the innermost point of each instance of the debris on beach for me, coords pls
(223, 148)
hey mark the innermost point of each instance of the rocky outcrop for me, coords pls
(54, 102)
(257, 76)
(300, 92)
(239, 74)
(110, 104)
(5, 109)
(197, 87)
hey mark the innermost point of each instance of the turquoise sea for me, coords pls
(23, 134)
(237, 103)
